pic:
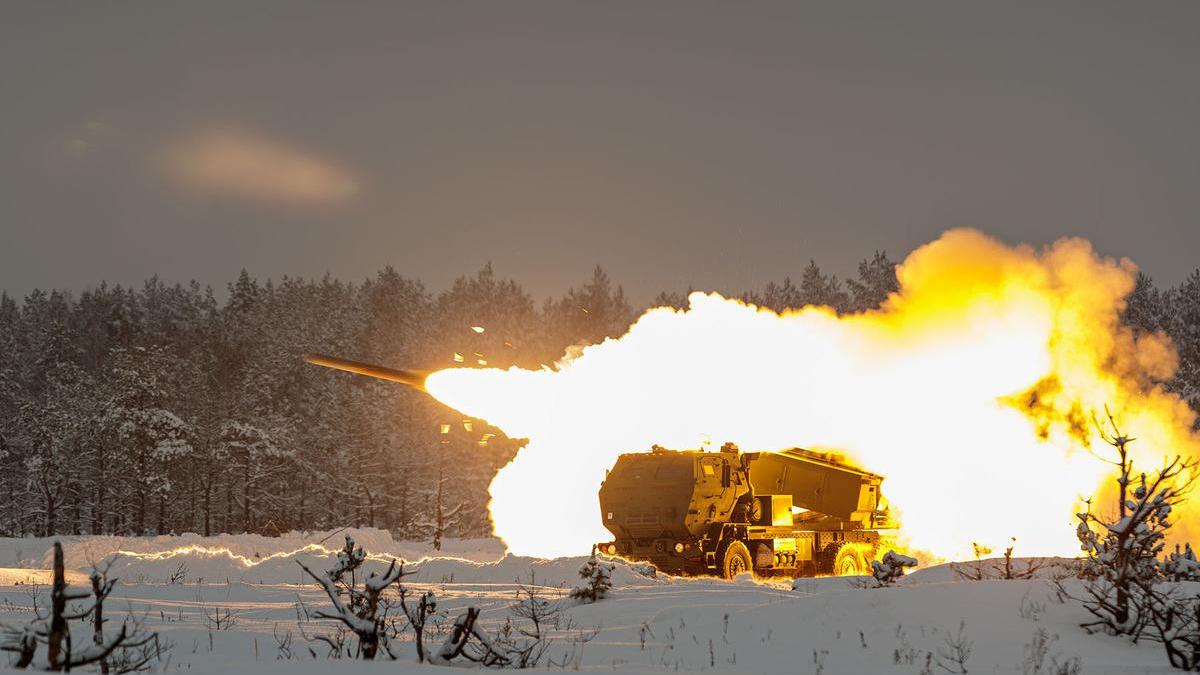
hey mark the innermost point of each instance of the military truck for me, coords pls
(790, 513)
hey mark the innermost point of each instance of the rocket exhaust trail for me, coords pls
(413, 378)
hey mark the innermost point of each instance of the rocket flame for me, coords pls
(972, 389)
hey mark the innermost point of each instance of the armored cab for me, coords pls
(795, 512)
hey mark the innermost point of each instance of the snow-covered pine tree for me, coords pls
(1121, 560)
(774, 296)
(597, 580)
(153, 439)
(876, 281)
(821, 289)
(590, 314)
(1181, 565)
(442, 516)
(56, 431)
(679, 300)
(1182, 308)
(1146, 307)
(499, 306)
(11, 399)
(254, 458)
(397, 313)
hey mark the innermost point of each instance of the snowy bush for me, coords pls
(1126, 586)
(130, 649)
(1181, 565)
(1175, 622)
(645, 569)
(442, 518)
(597, 581)
(521, 643)
(1121, 564)
(358, 608)
(459, 643)
(890, 568)
(418, 616)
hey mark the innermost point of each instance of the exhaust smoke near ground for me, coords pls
(973, 390)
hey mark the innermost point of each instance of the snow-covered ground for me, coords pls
(179, 585)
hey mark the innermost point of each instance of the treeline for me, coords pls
(162, 409)
(1176, 312)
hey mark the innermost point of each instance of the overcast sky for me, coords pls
(712, 144)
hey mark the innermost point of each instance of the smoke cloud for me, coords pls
(973, 389)
(237, 164)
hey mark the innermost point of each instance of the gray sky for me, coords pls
(712, 144)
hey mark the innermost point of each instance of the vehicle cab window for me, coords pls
(711, 472)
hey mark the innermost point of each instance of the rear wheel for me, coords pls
(853, 560)
(736, 560)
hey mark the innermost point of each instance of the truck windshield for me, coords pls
(675, 470)
(658, 468)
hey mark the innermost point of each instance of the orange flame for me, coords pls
(972, 389)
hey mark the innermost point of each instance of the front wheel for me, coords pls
(853, 560)
(736, 560)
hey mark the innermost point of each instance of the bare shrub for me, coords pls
(357, 607)
(523, 641)
(283, 644)
(219, 619)
(1175, 622)
(1038, 659)
(131, 649)
(418, 616)
(179, 575)
(1030, 609)
(955, 651)
(1122, 554)
(1005, 569)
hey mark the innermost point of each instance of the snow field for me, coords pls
(648, 625)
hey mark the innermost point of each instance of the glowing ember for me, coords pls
(972, 390)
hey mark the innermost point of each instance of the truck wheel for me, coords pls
(748, 510)
(736, 560)
(852, 560)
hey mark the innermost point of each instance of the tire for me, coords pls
(749, 510)
(754, 511)
(736, 560)
(853, 560)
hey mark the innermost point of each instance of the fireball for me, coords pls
(972, 389)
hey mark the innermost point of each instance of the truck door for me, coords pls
(716, 486)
